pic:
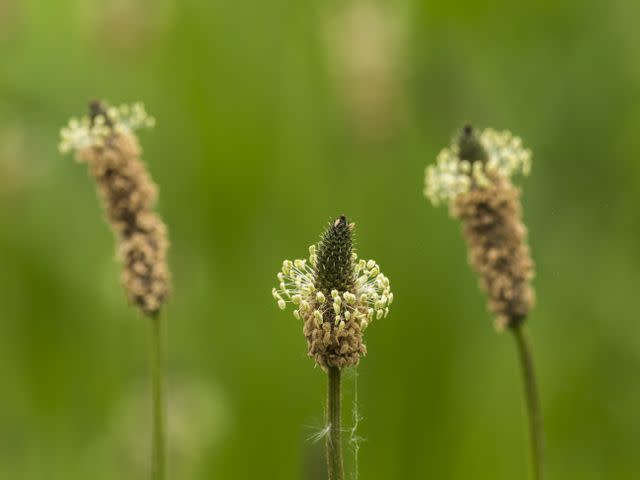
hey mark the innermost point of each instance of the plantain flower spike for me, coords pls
(106, 142)
(336, 295)
(473, 176)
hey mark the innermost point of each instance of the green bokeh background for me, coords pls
(264, 133)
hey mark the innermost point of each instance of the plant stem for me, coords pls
(334, 440)
(532, 399)
(157, 388)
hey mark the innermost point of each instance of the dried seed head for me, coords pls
(336, 295)
(106, 142)
(498, 251)
(473, 176)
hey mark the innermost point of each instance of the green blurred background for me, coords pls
(272, 118)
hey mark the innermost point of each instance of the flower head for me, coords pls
(336, 295)
(105, 140)
(103, 121)
(474, 177)
(475, 160)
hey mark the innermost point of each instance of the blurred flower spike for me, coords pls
(474, 177)
(106, 142)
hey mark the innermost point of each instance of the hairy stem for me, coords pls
(532, 399)
(158, 406)
(334, 441)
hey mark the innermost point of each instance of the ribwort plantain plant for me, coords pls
(336, 296)
(106, 142)
(474, 177)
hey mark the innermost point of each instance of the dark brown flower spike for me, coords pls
(106, 142)
(473, 176)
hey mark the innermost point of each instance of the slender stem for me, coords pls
(334, 440)
(533, 403)
(157, 387)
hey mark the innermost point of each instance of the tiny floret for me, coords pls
(454, 173)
